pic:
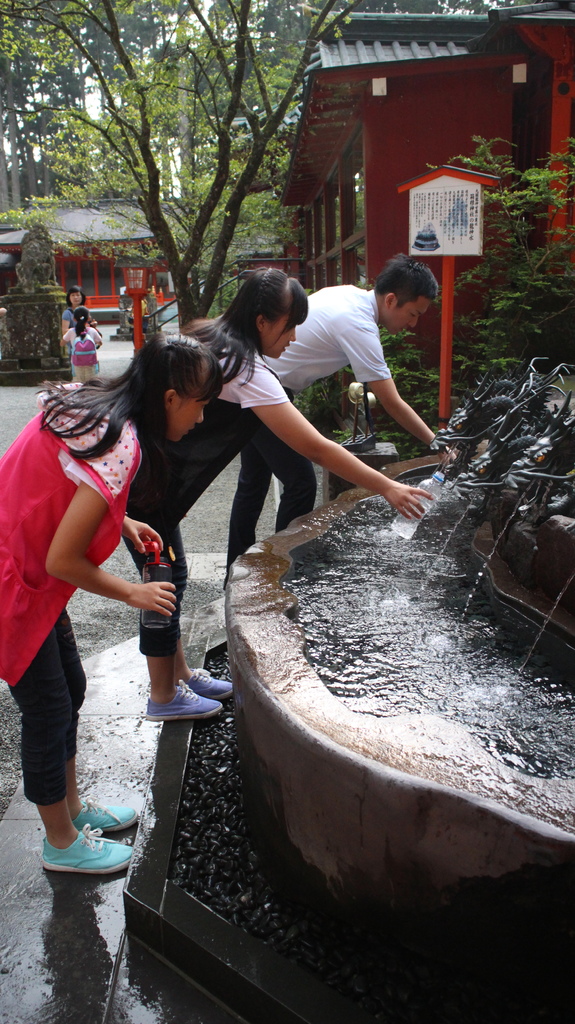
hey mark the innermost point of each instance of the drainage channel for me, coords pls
(235, 968)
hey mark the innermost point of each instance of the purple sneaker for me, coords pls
(186, 704)
(202, 683)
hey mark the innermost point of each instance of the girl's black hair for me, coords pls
(75, 288)
(82, 318)
(181, 363)
(234, 336)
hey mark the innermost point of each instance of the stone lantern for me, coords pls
(32, 337)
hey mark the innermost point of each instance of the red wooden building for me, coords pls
(396, 94)
(88, 242)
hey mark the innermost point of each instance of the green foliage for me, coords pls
(318, 401)
(418, 385)
(181, 107)
(523, 286)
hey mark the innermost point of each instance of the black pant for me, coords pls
(263, 455)
(160, 643)
(50, 695)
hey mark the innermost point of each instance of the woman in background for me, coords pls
(75, 297)
(83, 342)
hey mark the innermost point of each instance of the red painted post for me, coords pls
(556, 41)
(137, 313)
(445, 361)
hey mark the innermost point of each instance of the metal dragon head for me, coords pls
(551, 457)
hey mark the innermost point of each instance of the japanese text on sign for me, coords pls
(446, 218)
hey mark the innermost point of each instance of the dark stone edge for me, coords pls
(532, 604)
(236, 969)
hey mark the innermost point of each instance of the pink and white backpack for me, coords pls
(84, 351)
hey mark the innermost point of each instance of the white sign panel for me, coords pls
(446, 218)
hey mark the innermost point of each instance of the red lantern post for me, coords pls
(136, 278)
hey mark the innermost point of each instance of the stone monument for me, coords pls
(124, 332)
(31, 342)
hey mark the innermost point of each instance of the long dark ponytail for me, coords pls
(234, 336)
(183, 364)
(82, 320)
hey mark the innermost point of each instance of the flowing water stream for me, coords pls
(390, 630)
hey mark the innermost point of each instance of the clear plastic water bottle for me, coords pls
(407, 527)
(155, 571)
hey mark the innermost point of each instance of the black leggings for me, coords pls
(50, 695)
(263, 455)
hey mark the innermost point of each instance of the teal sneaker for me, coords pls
(109, 819)
(89, 854)
(202, 683)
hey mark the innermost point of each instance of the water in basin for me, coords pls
(390, 630)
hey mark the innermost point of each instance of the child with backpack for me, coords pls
(83, 343)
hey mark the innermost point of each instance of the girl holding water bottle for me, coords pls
(260, 321)
(64, 485)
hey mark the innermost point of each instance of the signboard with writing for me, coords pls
(446, 217)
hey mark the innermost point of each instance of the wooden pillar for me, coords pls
(557, 43)
(447, 280)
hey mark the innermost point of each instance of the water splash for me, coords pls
(547, 619)
(455, 528)
(387, 636)
(489, 556)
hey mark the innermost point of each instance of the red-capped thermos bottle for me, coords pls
(155, 571)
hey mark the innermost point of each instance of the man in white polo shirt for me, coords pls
(342, 327)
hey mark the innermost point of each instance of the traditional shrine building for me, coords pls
(398, 93)
(88, 242)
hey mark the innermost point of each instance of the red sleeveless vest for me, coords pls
(34, 495)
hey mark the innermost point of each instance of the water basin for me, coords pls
(410, 818)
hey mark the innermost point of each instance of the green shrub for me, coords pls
(318, 401)
(417, 384)
(524, 284)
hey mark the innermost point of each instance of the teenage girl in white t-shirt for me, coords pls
(260, 321)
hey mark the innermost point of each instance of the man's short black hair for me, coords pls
(407, 279)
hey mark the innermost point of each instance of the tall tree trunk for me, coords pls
(44, 156)
(82, 88)
(31, 169)
(27, 160)
(4, 196)
(184, 121)
(13, 133)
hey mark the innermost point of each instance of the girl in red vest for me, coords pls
(64, 485)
